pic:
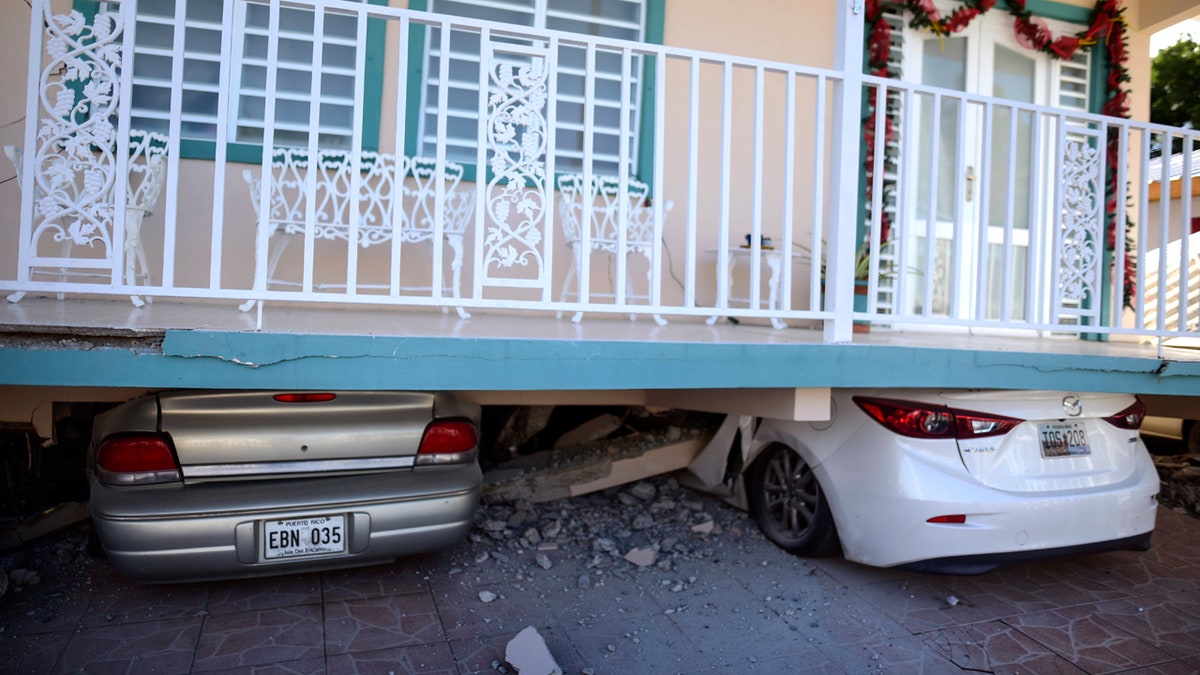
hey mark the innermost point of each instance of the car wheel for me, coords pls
(789, 505)
(1191, 437)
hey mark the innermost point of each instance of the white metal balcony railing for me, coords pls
(737, 196)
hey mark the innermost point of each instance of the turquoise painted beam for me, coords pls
(199, 359)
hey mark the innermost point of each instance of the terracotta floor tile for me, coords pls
(1157, 621)
(607, 596)
(476, 654)
(1079, 635)
(1043, 586)
(45, 608)
(164, 646)
(996, 647)
(842, 622)
(928, 603)
(906, 654)
(406, 575)
(429, 659)
(314, 665)
(264, 636)
(611, 647)
(729, 632)
(32, 653)
(266, 593)
(854, 575)
(124, 601)
(372, 624)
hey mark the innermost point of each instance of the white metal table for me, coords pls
(774, 260)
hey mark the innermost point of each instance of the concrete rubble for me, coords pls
(1180, 476)
(528, 654)
(590, 542)
(556, 474)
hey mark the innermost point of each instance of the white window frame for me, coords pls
(569, 157)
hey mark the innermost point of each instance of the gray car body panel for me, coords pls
(210, 529)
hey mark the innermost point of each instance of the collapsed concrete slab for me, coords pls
(557, 474)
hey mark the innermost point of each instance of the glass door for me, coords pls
(979, 243)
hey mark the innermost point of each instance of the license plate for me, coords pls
(1063, 439)
(300, 537)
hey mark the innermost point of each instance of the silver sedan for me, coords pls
(195, 485)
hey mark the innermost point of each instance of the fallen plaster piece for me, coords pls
(642, 557)
(703, 528)
(528, 654)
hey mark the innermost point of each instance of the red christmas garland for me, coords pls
(1106, 26)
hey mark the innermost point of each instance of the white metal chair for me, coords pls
(147, 169)
(604, 195)
(391, 190)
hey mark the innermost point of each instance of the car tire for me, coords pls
(789, 505)
(1191, 437)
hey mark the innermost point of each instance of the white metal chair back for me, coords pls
(394, 195)
(384, 182)
(604, 195)
(147, 171)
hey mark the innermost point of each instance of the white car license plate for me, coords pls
(301, 537)
(1063, 439)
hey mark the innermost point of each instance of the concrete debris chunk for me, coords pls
(604, 544)
(952, 600)
(543, 561)
(531, 537)
(643, 521)
(487, 596)
(643, 491)
(590, 431)
(703, 528)
(23, 577)
(528, 655)
(552, 529)
(627, 499)
(642, 557)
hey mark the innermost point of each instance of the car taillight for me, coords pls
(305, 397)
(1129, 418)
(448, 442)
(136, 459)
(922, 420)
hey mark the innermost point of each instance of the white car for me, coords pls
(956, 482)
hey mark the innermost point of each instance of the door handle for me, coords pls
(970, 182)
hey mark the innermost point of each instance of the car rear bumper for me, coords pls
(166, 535)
(1002, 526)
(978, 564)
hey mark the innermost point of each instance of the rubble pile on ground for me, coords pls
(22, 568)
(1180, 476)
(649, 525)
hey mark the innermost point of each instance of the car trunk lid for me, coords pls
(1052, 449)
(232, 435)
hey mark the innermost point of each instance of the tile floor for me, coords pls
(733, 604)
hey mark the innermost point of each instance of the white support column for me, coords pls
(845, 168)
